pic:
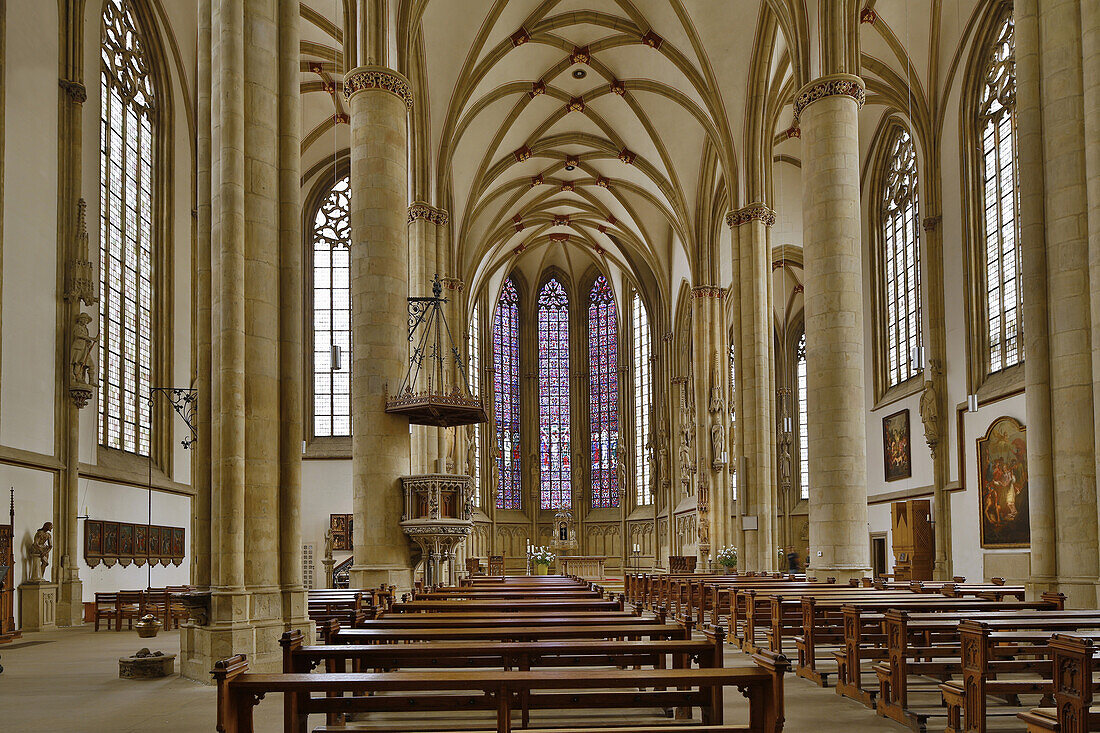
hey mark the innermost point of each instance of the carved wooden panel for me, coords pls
(341, 526)
(126, 542)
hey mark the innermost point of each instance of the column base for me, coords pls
(372, 576)
(70, 603)
(37, 605)
(842, 573)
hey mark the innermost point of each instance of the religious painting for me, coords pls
(110, 538)
(93, 539)
(126, 539)
(166, 542)
(341, 531)
(177, 542)
(141, 540)
(1002, 485)
(896, 447)
(154, 541)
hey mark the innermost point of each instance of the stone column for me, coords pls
(425, 453)
(254, 401)
(1044, 567)
(828, 112)
(379, 100)
(756, 421)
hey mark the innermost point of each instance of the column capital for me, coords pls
(833, 85)
(378, 77)
(756, 211)
(422, 210)
(451, 283)
(707, 291)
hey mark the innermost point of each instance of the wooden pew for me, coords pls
(1075, 659)
(986, 654)
(505, 605)
(534, 632)
(498, 691)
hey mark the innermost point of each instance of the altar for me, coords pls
(588, 567)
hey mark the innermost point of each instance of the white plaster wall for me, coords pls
(30, 227)
(326, 489)
(33, 501)
(117, 503)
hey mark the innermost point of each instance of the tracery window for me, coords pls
(997, 127)
(803, 416)
(474, 378)
(643, 398)
(901, 260)
(127, 140)
(603, 402)
(733, 425)
(332, 313)
(506, 398)
(554, 444)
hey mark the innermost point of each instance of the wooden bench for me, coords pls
(986, 654)
(337, 635)
(498, 691)
(1075, 659)
(507, 606)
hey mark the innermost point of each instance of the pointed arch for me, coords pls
(555, 454)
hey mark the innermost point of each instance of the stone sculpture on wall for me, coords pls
(471, 450)
(718, 444)
(82, 378)
(930, 414)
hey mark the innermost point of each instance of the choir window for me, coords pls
(506, 398)
(555, 472)
(603, 402)
(643, 398)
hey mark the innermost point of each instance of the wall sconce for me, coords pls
(337, 353)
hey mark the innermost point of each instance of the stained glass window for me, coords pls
(474, 377)
(603, 400)
(127, 129)
(554, 445)
(997, 126)
(506, 392)
(901, 260)
(332, 312)
(803, 428)
(643, 398)
(733, 426)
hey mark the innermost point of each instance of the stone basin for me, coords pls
(146, 665)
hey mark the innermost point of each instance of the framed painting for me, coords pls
(93, 538)
(110, 539)
(126, 540)
(341, 531)
(896, 454)
(1002, 485)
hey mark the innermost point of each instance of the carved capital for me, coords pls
(378, 77)
(834, 85)
(753, 212)
(76, 91)
(707, 291)
(451, 283)
(421, 210)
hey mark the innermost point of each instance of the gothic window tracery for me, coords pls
(555, 470)
(127, 141)
(643, 397)
(803, 416)
(603, 403)
(332, 312)
(901, 261)
(997, 129)
(507, 403)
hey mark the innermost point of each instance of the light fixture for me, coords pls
(579, 73)
(570, 167)
(972, 403)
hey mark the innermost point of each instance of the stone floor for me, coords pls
(68, 681)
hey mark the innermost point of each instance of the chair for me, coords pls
(106, 608)
(130, 607)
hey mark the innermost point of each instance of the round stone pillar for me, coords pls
(378, 100)
(828, 111)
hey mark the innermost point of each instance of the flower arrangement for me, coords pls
(727, 557)
(541, 555)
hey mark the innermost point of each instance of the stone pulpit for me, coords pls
(437, 516)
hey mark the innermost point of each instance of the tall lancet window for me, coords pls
(332, 313)
(803, 417)
(733, 424)
(643, 401)
(127, 141)
(474, 377)
(555, 471)
(506, 398)
(603, 399)
(901, 261)
(997, 126)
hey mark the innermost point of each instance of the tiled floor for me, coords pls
(68, 681)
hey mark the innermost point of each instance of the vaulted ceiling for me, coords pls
(607, 132)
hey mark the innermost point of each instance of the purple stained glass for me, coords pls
(506, 392)
(603, 344)
(554, 444)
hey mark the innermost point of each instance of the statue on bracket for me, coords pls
(716, 401)
(662, 455)
(930, 409)
(82, 379)
(620, 466)
(471, 450)
(718, 444)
